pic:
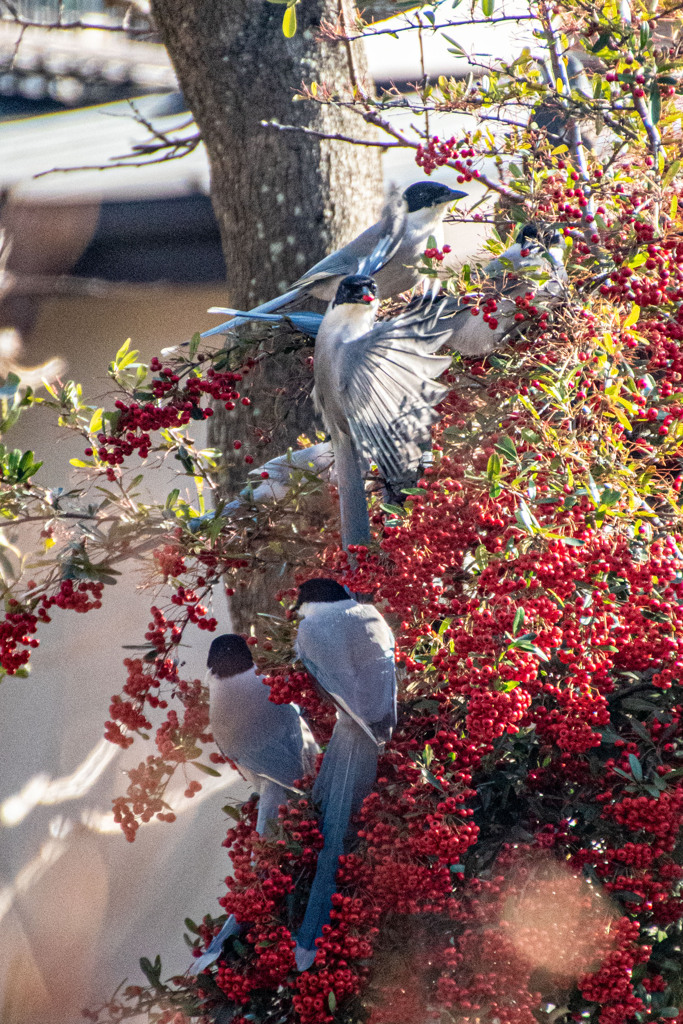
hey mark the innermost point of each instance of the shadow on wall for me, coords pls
(78, 904)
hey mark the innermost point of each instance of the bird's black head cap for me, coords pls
(424, 194)
(229, 655)
(322, 591)
(356, 289)
(526, 233)
(546, 234)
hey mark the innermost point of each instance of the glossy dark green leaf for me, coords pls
(636, 767)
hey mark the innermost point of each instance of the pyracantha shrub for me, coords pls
(519, 859)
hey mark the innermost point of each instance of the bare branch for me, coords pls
(332, 34)
(15, 51)
(335, 137)
(161, 148)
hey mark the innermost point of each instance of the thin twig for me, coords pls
(436, 28)
(333, 136)
(178, 149)
(15, 51)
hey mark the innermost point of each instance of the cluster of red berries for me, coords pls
(17, 628)
(438, 152)
(437, 254)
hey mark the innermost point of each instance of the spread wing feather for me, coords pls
(388, 388)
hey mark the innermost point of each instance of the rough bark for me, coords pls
(282, 199)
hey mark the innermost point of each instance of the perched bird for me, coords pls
(533, 263)
(349, 650)
(282, 475)
(270, 744)
(375, 390)
(389, 250)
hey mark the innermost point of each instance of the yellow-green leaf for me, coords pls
(122, 351)
(95, 422)
(632, 318)
(289, 22)
(623, 419)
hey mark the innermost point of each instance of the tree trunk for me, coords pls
(282, 199)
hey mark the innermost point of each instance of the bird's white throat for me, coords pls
(355, 318)
(427, 221)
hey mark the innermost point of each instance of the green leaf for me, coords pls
(627, 897)
(519, 621)
(671, 173)
(593, 490)
(493, 467)
(194, 344)
(289, 22)
(206, 769)
(632, 318)
(600, 43)
(457, 50)
(172, 498)
(636, 767)
(332, 1002)
(232, 812)
(655, 103)
(487, 7)
(433, 781)
(184, 456)
(152, 971)
(506, 447)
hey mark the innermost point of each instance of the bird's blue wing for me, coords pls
(351, 656)
(388, 388)
(392, 227)
(367, 253)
